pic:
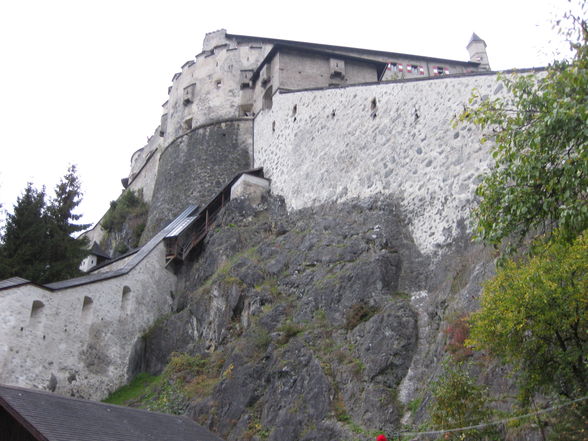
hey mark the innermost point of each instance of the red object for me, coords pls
(381, 438)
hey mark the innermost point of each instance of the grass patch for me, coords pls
(139, 387)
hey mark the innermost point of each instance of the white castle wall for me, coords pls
(144, 163)
(76, 350)
(395, 138)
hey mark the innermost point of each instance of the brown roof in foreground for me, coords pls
(50, 417)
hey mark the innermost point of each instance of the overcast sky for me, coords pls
(82, 82)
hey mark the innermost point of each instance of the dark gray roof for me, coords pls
(12, 282)
(58, 418)
(97, 251)
(475, 37)
(342, 49)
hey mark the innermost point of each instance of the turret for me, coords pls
(213, 39)
(477, 49)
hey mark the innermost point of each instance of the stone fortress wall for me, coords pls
(78, 340)
(315, 146)
(397, 139)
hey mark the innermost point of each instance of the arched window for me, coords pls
(37, 314)
(87, 309)
(125, 305)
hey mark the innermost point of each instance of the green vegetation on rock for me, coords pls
(534, 316)
(136, 390)
(128, 205)
(124, 222)
(534, 313)
(459, 402)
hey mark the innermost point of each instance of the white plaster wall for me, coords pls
(88, 354)
(335, 149)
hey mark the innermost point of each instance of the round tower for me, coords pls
(477, 49)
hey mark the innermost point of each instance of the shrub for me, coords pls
(359, 312)
(128, 205)
(459, 402)
(457, 332)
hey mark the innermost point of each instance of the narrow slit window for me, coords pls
(87, 306)
(37, 310)
(126, 300)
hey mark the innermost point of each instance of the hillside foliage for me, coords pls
(540, 133)
(534, 316)
(534, 313)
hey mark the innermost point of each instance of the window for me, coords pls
(440, 70)
(394, 67)
(187, 125)
(163, 124)
(245, 79)
(37, 310)
(87, 306)
(337, 68)
(188, 95)
(37, 314)
(125, 304)
(413, 68)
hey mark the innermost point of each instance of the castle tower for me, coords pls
(477, 49)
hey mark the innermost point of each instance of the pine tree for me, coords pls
(37, 243)
(24, 244)
(66, 252)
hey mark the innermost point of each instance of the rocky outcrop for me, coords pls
(325, 321)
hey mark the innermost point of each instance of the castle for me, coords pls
(326, 123)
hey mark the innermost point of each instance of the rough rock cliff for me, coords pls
(321, 322)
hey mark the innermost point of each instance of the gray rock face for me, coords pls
(314, 318)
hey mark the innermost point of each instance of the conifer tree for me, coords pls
(65, 251)
(37, 243)
(24, 243)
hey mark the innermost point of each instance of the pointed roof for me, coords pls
(97, 251)
(474, 38)
(48, 416)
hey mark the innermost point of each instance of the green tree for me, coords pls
(540, 178)
(459, 402)
(65, 252)
(24, 244)
(37, 242)
(534, 316)
(534, 313)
